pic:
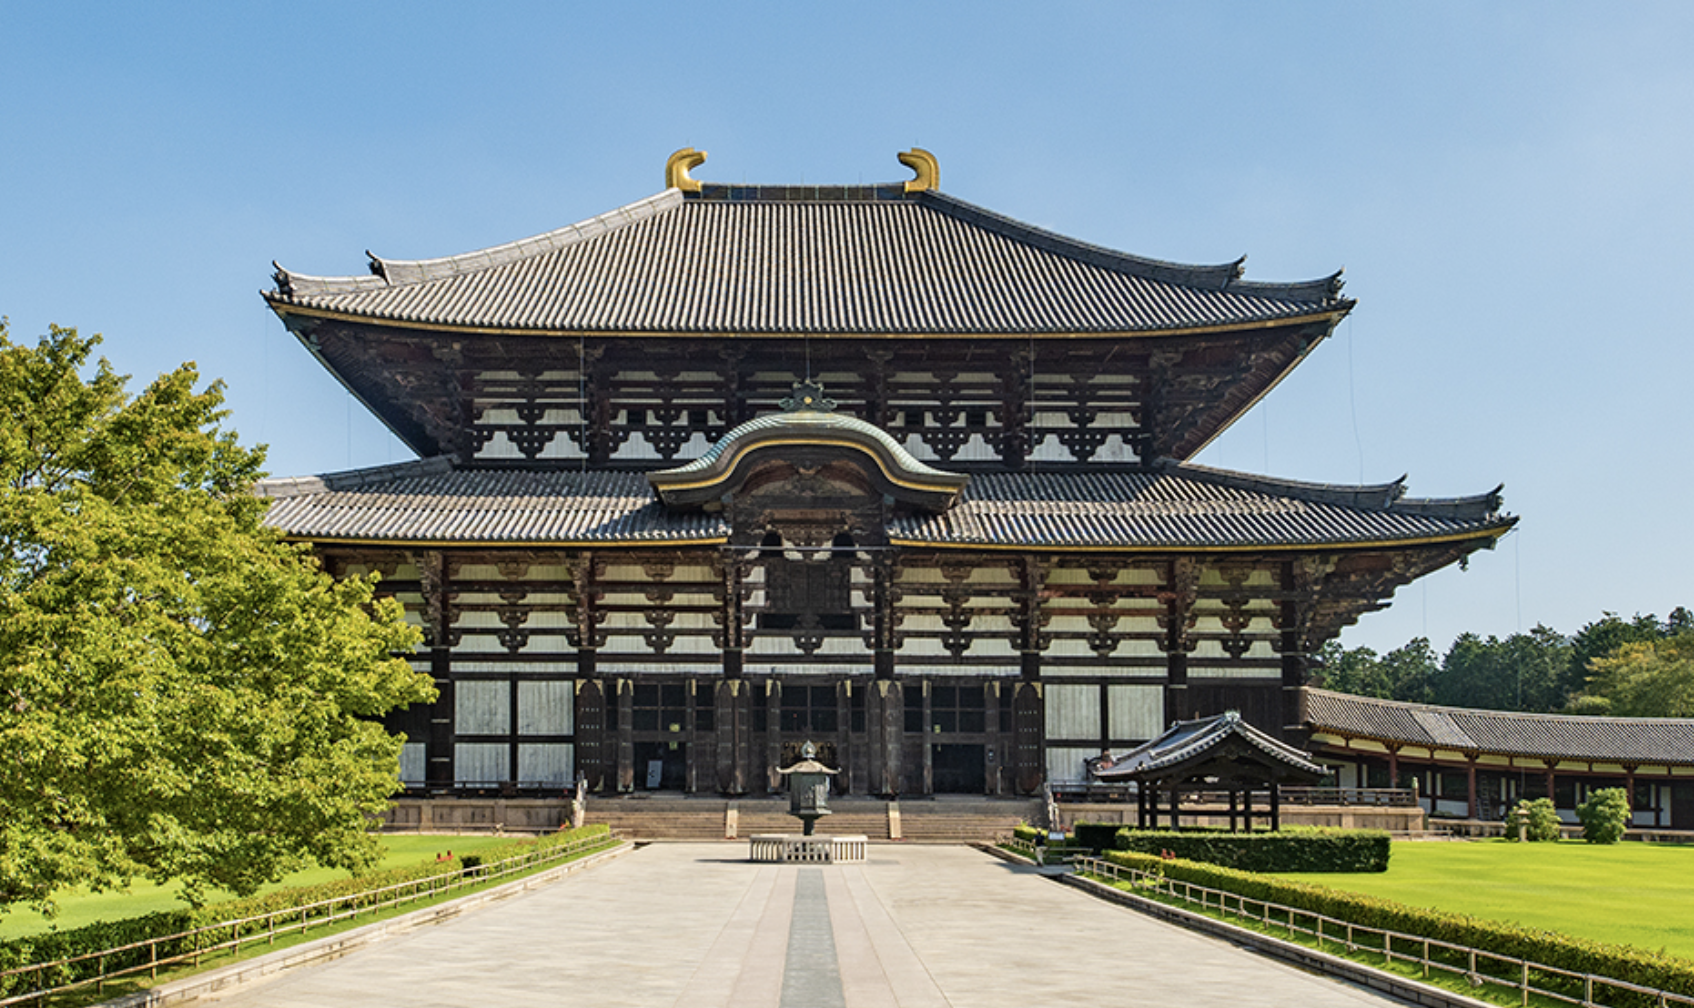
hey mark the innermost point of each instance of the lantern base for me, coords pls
(793, 848)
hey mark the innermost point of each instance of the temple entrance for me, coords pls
(959, 769)
(661, 766)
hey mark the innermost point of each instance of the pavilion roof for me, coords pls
(871, 260)
(1174, 507)
(1187, 744)
(1656, 741)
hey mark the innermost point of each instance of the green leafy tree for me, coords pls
(1604, 636)
(1645, 679)
(1352, 670)
(1604, 815)
(1538, 819)
(182, 694)
(1522, 672)
(1411, 670)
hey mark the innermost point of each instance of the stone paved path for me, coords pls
(692, 925)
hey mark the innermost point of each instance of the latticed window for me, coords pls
(659, 707)
(798, 591)
(808, 708)
(957, 709)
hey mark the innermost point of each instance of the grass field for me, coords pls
(77, 907)
(1629, 893)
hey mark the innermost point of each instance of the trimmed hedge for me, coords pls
(1579, 955)
(51, 946)
(1297, 850)
(1098, 837)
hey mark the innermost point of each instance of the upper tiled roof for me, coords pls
(1626, 740)
(1186, 740)
(815, 259)
(1181, 507)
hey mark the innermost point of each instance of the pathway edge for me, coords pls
(335, 946)
(1381, 981)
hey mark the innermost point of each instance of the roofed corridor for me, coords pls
(694, 925)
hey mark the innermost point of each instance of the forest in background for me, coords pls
(1637, 667)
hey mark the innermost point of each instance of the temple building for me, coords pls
(734, 467)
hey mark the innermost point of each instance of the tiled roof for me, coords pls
(818, 259)
(430, 501)
(1187, 506)
(1625, 740)
(1186, 740)
(1179, 507)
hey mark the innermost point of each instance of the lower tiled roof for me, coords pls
(1657, 741)
(1177, 507)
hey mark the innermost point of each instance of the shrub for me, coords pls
(1604, 815)
(52, 946)
(1097, 837)
(1578, 955)
(1539, 819)
(1297, 850)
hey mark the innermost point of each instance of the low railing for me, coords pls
(1402, 797)
(161, 952)
(1477, 967)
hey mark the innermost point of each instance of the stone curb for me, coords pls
(335, 946)
(1394, 985)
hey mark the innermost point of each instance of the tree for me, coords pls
(1522, 672)
(1352, 670)
(1604, 636)
(1645, 679)
(182, 694)
(1410, 670)
(1604, 815)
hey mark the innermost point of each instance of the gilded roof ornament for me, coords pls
(927, 168)
(808, 396)
(676, 169)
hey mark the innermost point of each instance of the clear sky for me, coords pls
(1510, 187)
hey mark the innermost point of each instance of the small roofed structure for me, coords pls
(1216, 753)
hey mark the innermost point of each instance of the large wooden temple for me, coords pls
(737, 466)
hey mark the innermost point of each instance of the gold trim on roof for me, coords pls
(282, 306)
(677, 168)
(1310, 547)
(927, 168)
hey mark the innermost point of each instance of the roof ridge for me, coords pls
(346, 479)
(402, 272)
(1221, 277)
(1372, 496)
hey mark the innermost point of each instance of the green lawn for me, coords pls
(1628, 893)
(78, 907)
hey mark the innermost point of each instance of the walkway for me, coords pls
(691, 925)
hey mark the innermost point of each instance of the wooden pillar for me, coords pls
(1247, 808)
(1393, 766)
(1276, 807)
(1176, 805)
(733, 699)
(1550, 765)
(1470, 786)
(1629, 790)
(1141, 804)
(621, 693)
(1232, 812)
(885, 716)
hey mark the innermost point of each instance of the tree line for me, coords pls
(1636, 667)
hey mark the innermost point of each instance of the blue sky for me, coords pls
(1507, 185)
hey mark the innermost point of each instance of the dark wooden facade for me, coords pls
(1084, 589)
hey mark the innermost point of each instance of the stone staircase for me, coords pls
(948, 819)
